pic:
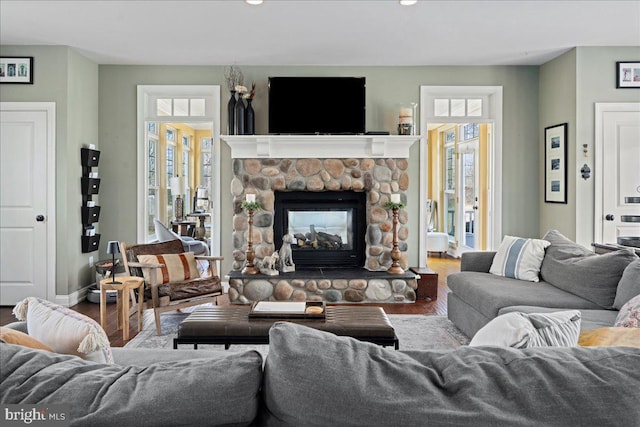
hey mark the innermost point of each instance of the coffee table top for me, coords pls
(233, 320)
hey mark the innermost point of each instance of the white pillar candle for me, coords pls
(395, 198)
(251, 198)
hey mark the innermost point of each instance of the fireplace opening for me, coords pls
(328, 228)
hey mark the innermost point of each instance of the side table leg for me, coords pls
(103, 308)
(125, 313)
(119, 304)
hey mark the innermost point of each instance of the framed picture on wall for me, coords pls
(16, 70)
(628, 75)
(555, 164)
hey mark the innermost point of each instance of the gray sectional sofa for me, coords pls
(571, 277)
(313, 378)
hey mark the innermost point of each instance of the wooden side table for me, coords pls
(427, 283)
(128, 283)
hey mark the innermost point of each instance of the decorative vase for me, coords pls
(231, 113)
(240, 114)
(250, 119)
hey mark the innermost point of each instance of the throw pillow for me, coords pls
(629, 285)
(11, 336)
(524, 330)
(519, 258)
(64, 330)
(629, 315)
(577, 270)
(604, 337)
(177, 267)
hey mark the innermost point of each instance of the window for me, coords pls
(153, 201)
(457, 107)
(470, 131)
(181, 107)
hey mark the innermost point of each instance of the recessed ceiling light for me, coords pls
(254, 2)
(408, 2)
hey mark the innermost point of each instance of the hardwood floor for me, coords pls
(443, 266)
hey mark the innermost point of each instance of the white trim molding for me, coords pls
(491, 97)
(319, 146)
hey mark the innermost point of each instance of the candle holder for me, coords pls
(395, 252)
(250, 254)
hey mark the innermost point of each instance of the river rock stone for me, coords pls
(262, 219)
(297, 184)
(403, 181)
(258, 290)
(308, 167)
(252, 166)
(283, 291)
(358, 284)
(335, 167)
(402, 164)
(299, 283)
(278, 183)
(285, 165)
(382, 173)
(299, 295)
(378, 215)
(378, 290)
(270, 171)
(367, 164)
(332, 295)
(375, 250)
(374, 234)
(324, 284)
(236, 187)
(315, 183)
(398, 286)
(233, 294)
(340, 284)
(312, 286)
(353, 295)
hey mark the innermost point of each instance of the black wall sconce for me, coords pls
(585, 171)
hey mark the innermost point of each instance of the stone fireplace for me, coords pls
(322, 197)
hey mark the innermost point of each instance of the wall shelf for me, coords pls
(89, 159)
(319, 146)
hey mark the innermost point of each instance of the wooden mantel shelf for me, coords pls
(319, 146)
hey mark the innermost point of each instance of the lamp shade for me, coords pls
(176, 184)
(113, 247)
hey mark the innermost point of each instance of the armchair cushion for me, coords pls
(176, 267)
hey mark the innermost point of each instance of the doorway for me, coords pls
(461, 165)
(178, 156)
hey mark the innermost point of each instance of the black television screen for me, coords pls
(316, 105)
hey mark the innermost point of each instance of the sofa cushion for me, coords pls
(11, 336)
(64, 330)
(519, 258)
(220, 391)
(576, 269)
(314, 378)
(488, 293)
(525, 330)
(629, 315)
(591, 318)
(629, 285)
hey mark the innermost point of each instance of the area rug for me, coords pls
(415, 332)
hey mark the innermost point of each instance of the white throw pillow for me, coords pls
(64, 330)
(519, 258)
(629, 315)
(522, 330)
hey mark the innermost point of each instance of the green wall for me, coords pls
(570, 86)
(387, 89)
(70, 80)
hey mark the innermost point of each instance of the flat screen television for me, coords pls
(316, 105)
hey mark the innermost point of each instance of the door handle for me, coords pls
(40, 218)
(609, 217)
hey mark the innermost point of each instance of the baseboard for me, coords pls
(73, 298)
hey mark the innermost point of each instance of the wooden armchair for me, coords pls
(161, 293)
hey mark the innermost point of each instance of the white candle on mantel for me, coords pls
(395, 198)
(251, 198)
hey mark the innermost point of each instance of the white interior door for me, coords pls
(619, 172)
(25, 211)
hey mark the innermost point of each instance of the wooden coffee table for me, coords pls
(231, 325)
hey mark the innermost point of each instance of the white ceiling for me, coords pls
(321, 32)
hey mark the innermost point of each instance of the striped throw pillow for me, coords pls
(177, 267)
(519, 258)
(522, 330)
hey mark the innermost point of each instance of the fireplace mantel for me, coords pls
(319, 146)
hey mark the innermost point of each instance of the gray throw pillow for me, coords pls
(629, 285)
(575, 269)
(214, 391)
(314, 378)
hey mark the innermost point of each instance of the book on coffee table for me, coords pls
(287, 310)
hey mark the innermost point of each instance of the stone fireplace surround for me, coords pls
(377, 177)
